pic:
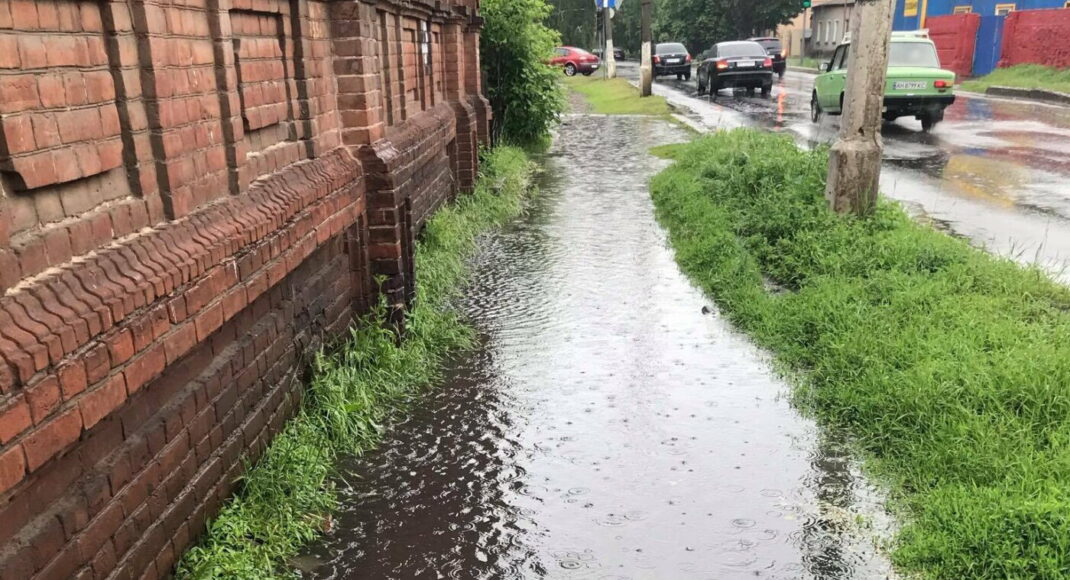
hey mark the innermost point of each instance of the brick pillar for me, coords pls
(226, 79)
(473, 79)
(177, 53)
(355, 38)
(467, 144)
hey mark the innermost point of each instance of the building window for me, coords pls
(835, 30)
(1005, 9)
(425, 43)
(1067, 5)
(963, 9)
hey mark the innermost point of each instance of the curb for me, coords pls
(1031, 94)
(804, 69)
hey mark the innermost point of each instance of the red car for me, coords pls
(575, 60)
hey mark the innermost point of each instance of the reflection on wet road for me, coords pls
(997, 171)
(608, 428)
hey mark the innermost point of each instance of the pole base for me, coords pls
(854, 176)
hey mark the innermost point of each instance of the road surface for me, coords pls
(996, 172)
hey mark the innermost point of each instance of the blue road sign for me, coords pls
(605, 3)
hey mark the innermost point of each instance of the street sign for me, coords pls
(606, 3)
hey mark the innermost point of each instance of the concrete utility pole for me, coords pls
(611, 63)
(646, 73)
(855, 159)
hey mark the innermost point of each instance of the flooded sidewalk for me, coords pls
(607, 427)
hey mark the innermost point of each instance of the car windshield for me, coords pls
(670, 48)
(733, 49)
(771, 45)
(919, 54)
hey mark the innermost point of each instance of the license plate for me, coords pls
(672, 61)
(745, 63)
(910, 85)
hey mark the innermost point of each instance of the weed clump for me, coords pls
(356, 388)
(951, 367)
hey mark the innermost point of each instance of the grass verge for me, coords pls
(1023, 76)
(807, 62)
(950, 367)
(356, 387)
(617, 97)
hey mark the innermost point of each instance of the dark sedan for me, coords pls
(618, 53)
(742, 64)
(776, 51)
(671, 58)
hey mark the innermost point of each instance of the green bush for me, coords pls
(283, 500)
(522, 88)
(949, 366)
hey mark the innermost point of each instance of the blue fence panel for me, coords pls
(989, 45)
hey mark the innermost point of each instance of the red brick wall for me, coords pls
(1037, 37)
(193, 194)
(955, 36)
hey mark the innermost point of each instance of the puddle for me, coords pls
(607, 428)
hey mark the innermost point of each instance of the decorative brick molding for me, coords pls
(195, 195)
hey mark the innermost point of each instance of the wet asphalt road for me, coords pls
(996, 171)
(607, 428)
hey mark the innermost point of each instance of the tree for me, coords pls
(522, 88)
(701, 23)
(575, 20)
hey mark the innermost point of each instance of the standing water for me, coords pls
(607, 428)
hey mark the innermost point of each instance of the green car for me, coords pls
(916, 84)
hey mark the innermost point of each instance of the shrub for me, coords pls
(522, 88)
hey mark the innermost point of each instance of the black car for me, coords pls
(742, 64)
(618, 53)
(776, 50)
(671, 58)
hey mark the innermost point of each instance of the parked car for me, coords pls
(916, 84)
(776, 51)
(672, 58)
(618, 53)
(741, 64)
(575, 60)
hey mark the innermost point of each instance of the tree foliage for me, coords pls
(522, 88)
(701, 23)
(696, 23)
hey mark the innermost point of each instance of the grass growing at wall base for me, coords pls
(950, 367)
(356, 388)
(1023, 76)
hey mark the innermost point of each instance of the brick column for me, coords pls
(355, 31)
(467, 147)
(473, 79)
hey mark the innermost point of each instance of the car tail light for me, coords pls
(657, 59)
(768, 62)
(688, 58)
(784, 53)
(942, 85)
(722, 64)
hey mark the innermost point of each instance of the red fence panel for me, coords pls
(1037, 37)
(955, 36)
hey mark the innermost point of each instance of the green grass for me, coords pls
(950, 367)
(807, 62)
(1023, 76)
(616, 97)
(356, 387)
